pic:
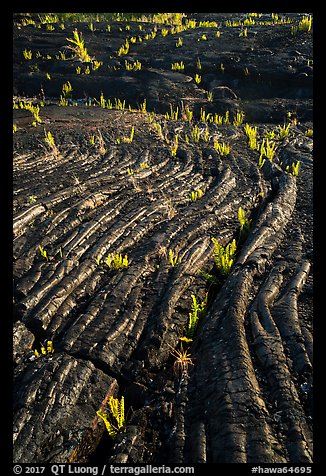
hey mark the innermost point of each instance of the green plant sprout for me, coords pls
(244, 32)
(283, 131)
(304, 25)
(261, 161)
(27, 54)
(35, 110)
(158, 128)
(238, 119)
(96, 65)
(295, 168)
(178, 66)
(224, 256)
(79, 47)
(209, 96)
(48, 18)
(43, 253)
(119, 105)
(196, 194)
(198, 64)
(222, 148)
(150, 36)
(309, 133)
(206, 116)
(269, 134)
(292, 118)
(49, 140)
(173, 258)
(197, 312)
(45, 350)
(179, 43)
(267, 149)
(124, 48)
(66, 93)
(244, 223)
(115, 420)
(32, 198)
(131, 137)
(251, 133)
(195, 133)
(143, 106)
(174, 146)
(116, 261)
(174, 113)
(226, 118)
(197, 78)
(135, 66)
(14, 128)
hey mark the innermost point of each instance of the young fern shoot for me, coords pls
(224, 256)
(115, 419)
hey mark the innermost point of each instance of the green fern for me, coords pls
(173, 258)
(116, 418)
(197, 311)
(244, 223)
(224, 256)
(116, 261)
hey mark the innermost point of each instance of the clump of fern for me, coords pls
(244, 223)
(79, 47)
(251, 133)
(224, 256)
(45, 349)
(116, 261)
(115, 419)
(174, 258)
(197, 312)
(222, 148)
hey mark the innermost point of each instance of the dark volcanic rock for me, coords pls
(136, 167)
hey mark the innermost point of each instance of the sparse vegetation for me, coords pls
(45, 349)
(198, 310)
(251, 133)
(115, 419)
(173, 258)
(283, 131)
(182, 361)
(245, 223)
(50, 142)
(43, 253)
(224, 256)
(78, 47)
(196, 194)
(222, 148)
(113, 254)
(116, 261)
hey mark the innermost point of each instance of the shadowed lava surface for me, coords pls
(121, 180)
